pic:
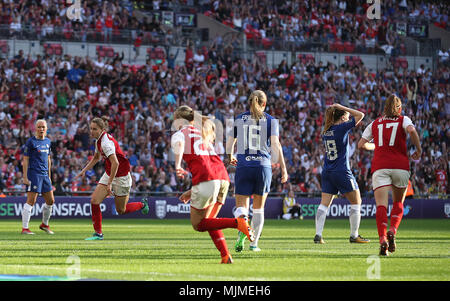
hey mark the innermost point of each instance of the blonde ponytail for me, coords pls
(258, 100)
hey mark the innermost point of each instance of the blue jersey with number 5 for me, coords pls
(337, 147)
(253, 139)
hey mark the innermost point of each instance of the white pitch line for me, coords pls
(131, 272)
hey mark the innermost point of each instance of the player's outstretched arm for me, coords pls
(90, 165)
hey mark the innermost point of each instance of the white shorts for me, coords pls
(121, 186)
(387, 177)
(207, 193)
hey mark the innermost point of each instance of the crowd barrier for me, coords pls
(172, 208)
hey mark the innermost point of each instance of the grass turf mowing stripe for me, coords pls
(140, 249)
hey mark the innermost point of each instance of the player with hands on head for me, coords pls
(336, 174)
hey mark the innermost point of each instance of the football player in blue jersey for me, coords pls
(336, 173)
(255, 135)
(37, 177)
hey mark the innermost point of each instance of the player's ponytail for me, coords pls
(208, 130)
(257, 100)
(332, 115)
(392, 107)
(184, 112)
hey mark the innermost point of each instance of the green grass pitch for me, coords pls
(170, 250)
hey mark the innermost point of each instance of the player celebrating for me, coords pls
(37, 177)
(336, 173)
(210, 179)
(390, 166)
(256, 134)
(115, 181)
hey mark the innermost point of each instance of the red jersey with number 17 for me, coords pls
(389, 137)
(203, 163)
(106, 145)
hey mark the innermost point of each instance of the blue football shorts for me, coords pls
(338, 181)
(253, 180)
(39, 183)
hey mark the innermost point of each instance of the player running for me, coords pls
(256, 135)
(37, 177)
(115, 181)
(390, 166)
(210, 179)
(336, 173)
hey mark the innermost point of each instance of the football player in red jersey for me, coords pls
(115, 181)
(390, 166)
(210, 180)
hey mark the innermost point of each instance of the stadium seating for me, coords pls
(156, 53)
(306, 58)
(105, 51)
(353, 60)
(53, 49)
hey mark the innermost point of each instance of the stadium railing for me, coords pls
(118, 36)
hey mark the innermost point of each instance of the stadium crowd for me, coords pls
(68, 92)
(140, 100)
(99, 20)
(294, 24)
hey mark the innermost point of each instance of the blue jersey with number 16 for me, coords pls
(253, 139)
(337, 147)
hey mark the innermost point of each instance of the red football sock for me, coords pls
(382, 222)
(97, 217)
(220, 242)
(207, 224)
(131, 207)
(396, 216)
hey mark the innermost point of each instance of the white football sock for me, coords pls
(26, 214)
(321, 216)
(355, 219)
(46, 213)
(240, 211)
(257, 225)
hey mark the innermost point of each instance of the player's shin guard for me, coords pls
(26, 214)
(355, 219)
(382, 222)
(96, 217)
(240, 211)
(207, 224)
(257, 224)
(46, 213)
(321, 216)
(220, 242)
(132, 207)
(396, 216)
